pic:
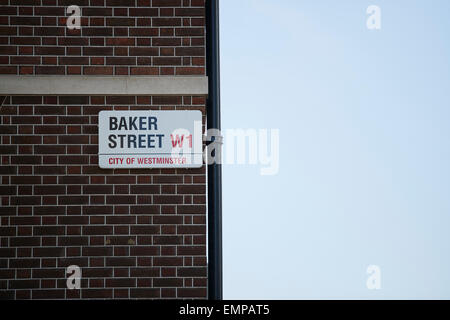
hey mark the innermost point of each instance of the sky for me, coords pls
(364, 174)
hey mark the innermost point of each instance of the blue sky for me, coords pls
(364, 157)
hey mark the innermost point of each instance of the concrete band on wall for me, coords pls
(103, 85)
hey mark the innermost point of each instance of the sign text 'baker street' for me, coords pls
(150, 139)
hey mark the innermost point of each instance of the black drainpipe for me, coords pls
(214, 170)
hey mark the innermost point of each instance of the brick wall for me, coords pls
(117, 37)
(134, 233)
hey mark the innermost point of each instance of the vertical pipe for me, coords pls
(215, 290)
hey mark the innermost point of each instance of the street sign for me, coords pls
(150, 139)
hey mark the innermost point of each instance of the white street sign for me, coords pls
(150, 139)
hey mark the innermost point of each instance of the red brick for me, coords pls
(166, 3)
(145, 293)
(191, 292)
(144, 71)
(169, 22)
(60, 208)
(96, 293)
(98, 70)
(49, 70)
